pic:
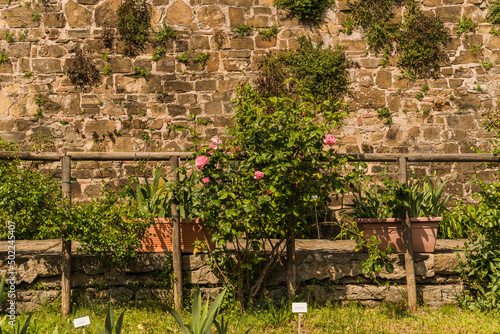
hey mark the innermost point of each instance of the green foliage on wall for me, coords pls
(322, 70)
(308, 10)
(134, 25)
(418, 40)
(81, 71)
(493, 15)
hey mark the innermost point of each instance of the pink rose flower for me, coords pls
(211, 152)
(213, 147)
(200, 162)
(205, 180)
(258, 175)
(329, 140)
(268, 192)
(216, 140)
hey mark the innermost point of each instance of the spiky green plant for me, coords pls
(202, 318)
(109, 323)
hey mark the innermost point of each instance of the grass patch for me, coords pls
(353, 318)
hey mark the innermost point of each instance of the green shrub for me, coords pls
(134, 25)
(309, 10)
(323, 71)
(81, 71)
(140, 72)
(493, 15)
(4, 58)
(242, 30)
(385, 113)
(202, 58)
(269, 32)
(480, 272)
(27, 198)
(165, 35)
(465, 25)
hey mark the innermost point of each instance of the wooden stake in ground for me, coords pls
(408, 243)
(291, 264)
(66, 244)
(176, 240)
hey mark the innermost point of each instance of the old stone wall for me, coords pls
(123, 113)
(326, 271)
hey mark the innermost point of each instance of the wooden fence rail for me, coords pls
(65, 159)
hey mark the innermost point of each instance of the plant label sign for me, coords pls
(299, 307)
(80, 322)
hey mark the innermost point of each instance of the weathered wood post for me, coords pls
(408, 243)
(66, 244)
(291, 264)
(176, 240)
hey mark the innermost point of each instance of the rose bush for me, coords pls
(266, 179)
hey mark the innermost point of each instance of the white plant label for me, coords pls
(299, 307)
(80, 322)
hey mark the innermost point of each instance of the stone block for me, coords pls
(120, 65)
(258, 21)
(236, 16)
(176, 110)
(384, 79)
(370, 98)
(265, 43)
(100, 127)
(179, 86)
(213, 108)
(211, 16)
(53, 20)
(106, 13)
(55, 51)
(241, 44)
(179, 13)
(449, 14)
(19, 17)
(77, 15)
(206, 85)
(46, 66)
(199, 43)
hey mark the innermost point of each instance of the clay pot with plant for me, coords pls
(378, 212)
(154, 200)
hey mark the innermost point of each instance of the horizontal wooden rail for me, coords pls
(165, 156)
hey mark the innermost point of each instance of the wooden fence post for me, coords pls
(291, 264)
(66, 244)
(408, 243)
(176, 240)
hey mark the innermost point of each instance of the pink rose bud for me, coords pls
(258, 175)
(329, 140)
(268, 192)
(211, 152)
(213, 147)
(205, 180)
(200, 162)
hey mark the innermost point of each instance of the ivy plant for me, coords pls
(134, 25)
(493, 15)
(323, 71)
(308, 10)
(81, 71)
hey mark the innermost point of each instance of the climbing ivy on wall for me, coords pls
(418, 40)
(134, 25)
(309, 10)
(322, 70)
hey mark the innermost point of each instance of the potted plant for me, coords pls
(378, 212)
(154, 200)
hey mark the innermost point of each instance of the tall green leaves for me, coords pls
(311, 10)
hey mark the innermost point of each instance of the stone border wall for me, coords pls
(326, 271)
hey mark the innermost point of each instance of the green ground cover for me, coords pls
(352, 318)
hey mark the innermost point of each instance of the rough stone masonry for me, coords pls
(123, 113)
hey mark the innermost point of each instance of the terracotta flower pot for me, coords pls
(423, 230)
(160, 236)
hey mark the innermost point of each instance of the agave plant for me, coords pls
(423, 197)
(222, 328)
(150, 198)
(202, 318)
(109, 325)
(20, 330)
